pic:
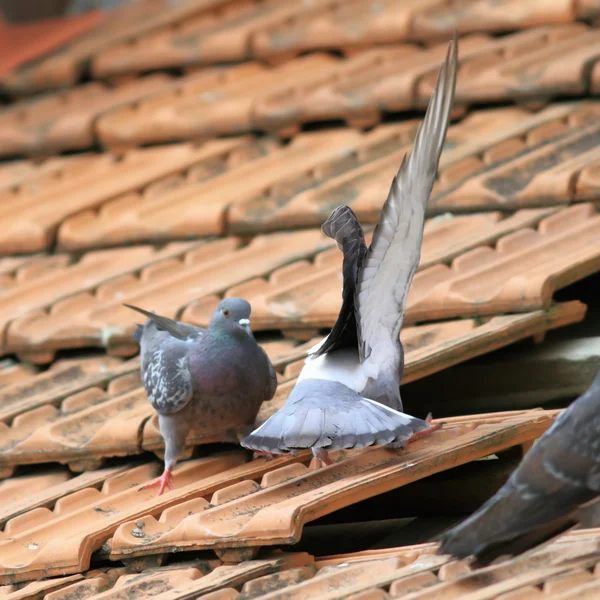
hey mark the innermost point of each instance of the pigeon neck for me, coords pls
(221, 333)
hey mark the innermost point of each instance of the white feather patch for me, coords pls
(342, 366)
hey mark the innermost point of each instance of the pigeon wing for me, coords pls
(272, 378)
(177, 329)
(167, 378)
(392, 259)
(343, 226)
(542, 496)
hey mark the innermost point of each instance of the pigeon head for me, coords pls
(233, 316)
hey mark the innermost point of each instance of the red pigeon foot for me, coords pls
(426, 432)
(258, 453)
(322, 455)
(164, 481)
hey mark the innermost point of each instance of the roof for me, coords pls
(179, 153)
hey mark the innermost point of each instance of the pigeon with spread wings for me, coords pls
(348, 393)
(545, 495)
(213, 380)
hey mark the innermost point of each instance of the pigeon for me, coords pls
(211, 379)
(544, 495)
(348, 392)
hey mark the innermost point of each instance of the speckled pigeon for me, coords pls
(211, 379)
(348, 393)
(542, 496)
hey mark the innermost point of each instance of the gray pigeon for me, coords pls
(211, 379)
(348, 393)
(543, 496)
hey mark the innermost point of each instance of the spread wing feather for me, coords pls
(390, 263)
(343, 226)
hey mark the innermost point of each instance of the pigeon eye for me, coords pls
(226, 313)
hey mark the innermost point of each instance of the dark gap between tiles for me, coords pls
(524, 375)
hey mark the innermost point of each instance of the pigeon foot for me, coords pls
(426, 432)
(322, 455)
(164, 481)
(258, 453)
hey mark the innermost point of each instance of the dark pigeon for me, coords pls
(211, 379)
(544, 496)
(348, 393)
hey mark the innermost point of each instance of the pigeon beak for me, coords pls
(245, 323)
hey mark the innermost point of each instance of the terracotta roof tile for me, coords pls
(520, 272)
(298, 185)
(66, 120)
(104, 411)
(358, 89)
(559, 570)
(64, 67)
(12, 372)
(541, 169)
(360, 24)
(254, 188)
(225, 35)
(30, 214)
(506, 140)
(97, 318)
(229, 489)
(273, 31)
(49, 283)
(19, 172)
(274, 511)
(210, 103)
(200, 207)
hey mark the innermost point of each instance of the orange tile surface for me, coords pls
(507, 141)
(16, 47)
(275, 31)
(198, 147)
(30, 214)
(97, 317)
(80, 412)
(66, 120)
(516, 159)
(253, 503)
(558, 571)
(521, 262)
(66, 66)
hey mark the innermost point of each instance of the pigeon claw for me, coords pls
(323, 456)
(164, 481)
(258, 453)
(426, 432)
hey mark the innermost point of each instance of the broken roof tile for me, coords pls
(274, 511)
(513, 270)
(66, 120)
(31, 214)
